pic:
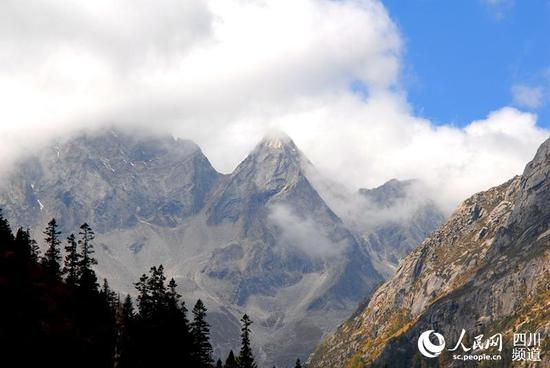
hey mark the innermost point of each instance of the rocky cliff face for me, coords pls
(486, 270)
(261, 240)
(113, 180)
(397, 217)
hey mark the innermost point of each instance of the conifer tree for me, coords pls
(298, 364)
(200, 332)
(124, 355)
(246, 358)
(23, 245)
(231, 362)
(88, 278)
(52, 256)
(157, 289)
(71, 269)
(143, 297)
(172, 296)
(6, 235)
(185, 321)
(176, 311)
(219, 364)
(128, 307)
(34, 249)
(109, 297)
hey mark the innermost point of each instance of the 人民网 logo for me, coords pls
(427, 347)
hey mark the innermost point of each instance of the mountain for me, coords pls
(397, 217)
(486, 270)
(261, 240)
(113, 180)
(291, 257)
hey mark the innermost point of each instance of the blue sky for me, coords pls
(464, 59)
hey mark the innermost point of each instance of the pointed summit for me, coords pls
(275, 168)
(276, 159)
(276, 139)
(277, 146)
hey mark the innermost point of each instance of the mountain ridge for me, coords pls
(479, 271)
(261, 239)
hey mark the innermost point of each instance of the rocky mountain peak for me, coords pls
(274, 164)
(392, 191)
(277, 148)
(111, 179)
(276, 137)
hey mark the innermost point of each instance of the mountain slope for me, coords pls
(293, 258)
(112, 180)
(260, 240)
(485, 270)
(401, 217)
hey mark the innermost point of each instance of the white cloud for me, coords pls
(531, 97)
(223, 72)
(304, 233)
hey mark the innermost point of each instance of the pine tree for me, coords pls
(128, 308)
(200, 332)
(157, 288)
(109, 297)
(124, 355)
(88, 278)
(23, 245)
(71, 270)
(298, 364)
(219, 364)
(34, 249)
(246, 358)
(231, 362)
(185, 321)
(172, 296)
(176, 313)
(6, 235)
(52, 256)
(143, 297)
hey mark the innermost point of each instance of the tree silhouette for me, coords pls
(43, 321)
(34, 249)
(6, 235)
(93, 327)
(143, 297)
(231, 362)
(71, 269)
(173, 297)
(88, 278)
(109, 297)
(200, 332)
(298, 364)
(23, 245)
(246, 358)
(124, 351)
(52, 256)
(157, 289)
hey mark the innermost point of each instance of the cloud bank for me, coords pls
(223, 72)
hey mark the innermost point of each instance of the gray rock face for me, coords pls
(113, 181)
(485, 270)
(261, 240)
(410, 217)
